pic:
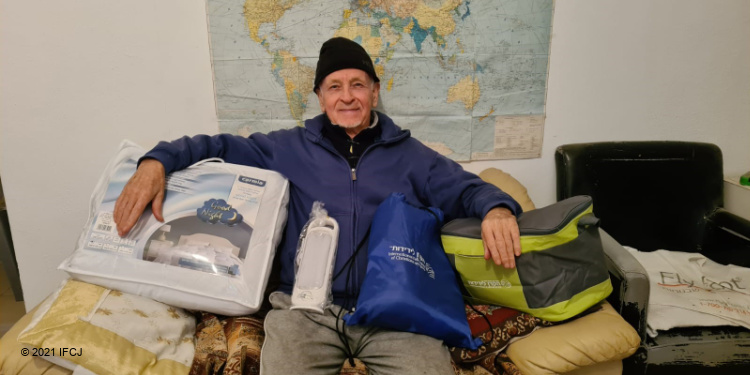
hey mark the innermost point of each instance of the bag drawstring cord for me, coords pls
(486, 319)
(349, 268)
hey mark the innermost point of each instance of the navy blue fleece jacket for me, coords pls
(317, 172)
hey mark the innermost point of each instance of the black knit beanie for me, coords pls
(341, 53)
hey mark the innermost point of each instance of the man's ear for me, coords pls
(375, 95)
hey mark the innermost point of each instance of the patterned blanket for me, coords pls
(231, 345)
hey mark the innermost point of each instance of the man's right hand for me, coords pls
(146, 186)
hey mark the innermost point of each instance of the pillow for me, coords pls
(509, 185)
(507, 325)
(214, 250)
(110, 332)
(13, 362)
(598, 337)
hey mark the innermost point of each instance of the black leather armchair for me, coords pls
(661, 195)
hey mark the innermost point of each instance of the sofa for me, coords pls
(594, 343)
(654, 195)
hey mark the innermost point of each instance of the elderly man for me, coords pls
(350, 158)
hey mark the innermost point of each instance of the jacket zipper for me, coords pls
(353, 242)
(354, 179)
(353, 190)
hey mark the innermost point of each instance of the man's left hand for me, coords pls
(501, 237)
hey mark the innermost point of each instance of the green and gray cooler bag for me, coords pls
(561, 271)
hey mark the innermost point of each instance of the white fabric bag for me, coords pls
(222, 223)
(688, 289)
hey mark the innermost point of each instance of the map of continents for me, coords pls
(468, 78)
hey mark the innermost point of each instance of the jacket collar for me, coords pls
(390, 132)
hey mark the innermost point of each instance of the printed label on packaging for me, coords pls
(104, 236)
(105, 223)
(247, 191)
(209, 215)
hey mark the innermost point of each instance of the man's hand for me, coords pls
(146, 186)
(501, 237)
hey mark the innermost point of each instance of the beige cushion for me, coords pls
(509, 185)
(613, 367)
(13, 363)
(111, 332)
(599, 337)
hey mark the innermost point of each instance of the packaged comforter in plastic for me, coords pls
(214, 250)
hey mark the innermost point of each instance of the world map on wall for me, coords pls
(468, 78)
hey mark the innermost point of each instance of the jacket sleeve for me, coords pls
(256, 151)
(463, 194)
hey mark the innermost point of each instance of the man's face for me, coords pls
(347, 96)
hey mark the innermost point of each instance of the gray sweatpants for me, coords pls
(302, 342)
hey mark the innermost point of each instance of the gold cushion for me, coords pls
(12, 362)
(509, 185)
(109, 332)
(599, 337)
(613, 367)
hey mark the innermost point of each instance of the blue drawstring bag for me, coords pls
(410, 284)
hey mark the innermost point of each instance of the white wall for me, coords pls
(644, 70)
(78, 77)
